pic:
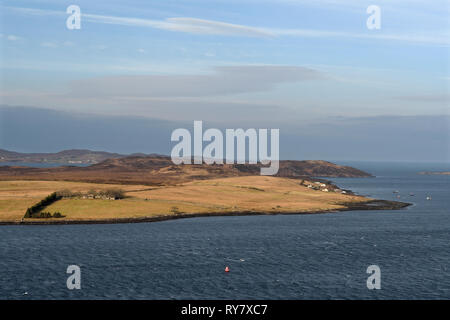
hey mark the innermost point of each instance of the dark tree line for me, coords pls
(35, 210)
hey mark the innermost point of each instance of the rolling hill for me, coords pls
(159, 170)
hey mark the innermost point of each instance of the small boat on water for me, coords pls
(429, 198)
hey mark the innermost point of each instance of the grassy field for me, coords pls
(237, 194)
(17, 196)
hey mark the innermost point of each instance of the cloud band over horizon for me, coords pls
(212, 27)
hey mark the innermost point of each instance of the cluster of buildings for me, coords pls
(324, 187)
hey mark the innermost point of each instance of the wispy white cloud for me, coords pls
(56, 44)
(49, 44)
(188, 25)
(12, 37)
(412, 38)
(212, 27)
(216, 27)
(210, 54)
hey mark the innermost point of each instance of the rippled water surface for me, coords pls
(270, 257)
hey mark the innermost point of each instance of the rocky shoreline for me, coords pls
(366, 205)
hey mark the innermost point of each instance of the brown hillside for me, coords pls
(159, 170)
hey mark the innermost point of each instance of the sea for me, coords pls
(315, 256)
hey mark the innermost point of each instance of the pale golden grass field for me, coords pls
(237, 194)
(17, 196)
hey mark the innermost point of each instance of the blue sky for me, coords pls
(364, 72)
(258, 62)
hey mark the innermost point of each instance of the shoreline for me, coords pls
(366, 205)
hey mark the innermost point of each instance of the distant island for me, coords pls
(141, 188)
(74, 156)
(435, 172)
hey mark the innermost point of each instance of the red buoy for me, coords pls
(227, 269)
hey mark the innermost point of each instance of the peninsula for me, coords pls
(151, 188)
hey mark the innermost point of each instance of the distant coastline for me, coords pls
(442, 173)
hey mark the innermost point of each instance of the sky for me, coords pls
(288, 64)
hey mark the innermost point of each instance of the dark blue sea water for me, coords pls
(321, 256)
